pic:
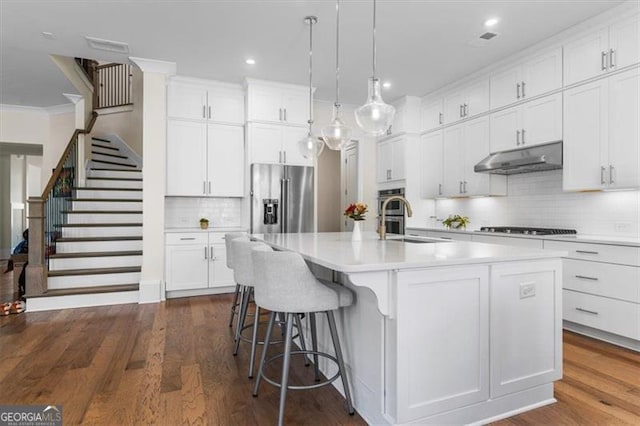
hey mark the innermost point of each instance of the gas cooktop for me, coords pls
(527, 230)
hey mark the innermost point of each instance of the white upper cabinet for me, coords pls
(206, 101)
(601, 134)
(470, 100)
(601, 51)
(225, 155)
(431, 114)
(276, 144)
(391, 160)
(531, 123)
(407, 117)
(277, 103)
(536, 76)
(431, 165)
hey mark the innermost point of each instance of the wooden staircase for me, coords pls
(98, 254)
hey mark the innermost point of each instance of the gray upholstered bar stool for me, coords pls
(288, 286)
(243, 274)
(237, 297)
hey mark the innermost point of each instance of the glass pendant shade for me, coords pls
(375, 116)
(310, 147)
(336, 135)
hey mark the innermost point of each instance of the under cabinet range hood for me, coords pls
(523, 160)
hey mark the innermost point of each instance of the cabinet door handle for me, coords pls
(523, 94)
(280, 114)
(612, 62)
(466, 110)
(460, 187)
(522, 136)
(587, 252)
(284, 154)
(204, 111)
(464, 187)
(518, 137)
(611, 168)
(603, 61)
(205, 252)
(602, 171)
(204, 187)
(439, 189)
(211, 253)
(209, 187)
(518, 90)
(583, 277)
(279, 156)
(587, 311)
(440, 118)
(209, 112)
(285, 114)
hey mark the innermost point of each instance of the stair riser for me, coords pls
(103, 193)
(81, 247)
(115, 174)
(107, 205)
(104, 218)
(36, 304)
(75, 281)
(102, 157)
(94, 262)
(107, 231)
(114, 183)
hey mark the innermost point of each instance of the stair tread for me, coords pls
(101, 140)
(136, 200)
(115, 178)
(89, 290)
(90, 239)
(113, 148)
(109, 155)
(95, 225)
(102, 211)
(91, 188)
(114, 163)
(95, 254)
(95, 271)
(114, 170)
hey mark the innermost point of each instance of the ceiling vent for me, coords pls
(108, 45)
(483, 39)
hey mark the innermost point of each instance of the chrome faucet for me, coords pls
(382, 230)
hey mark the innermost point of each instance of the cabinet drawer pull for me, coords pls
(187, 239)
(603, 61)
(446, 238)
(518, 90)
(587, 252)
(583, 277)
(587, 311)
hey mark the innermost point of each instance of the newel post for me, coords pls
(36, 275)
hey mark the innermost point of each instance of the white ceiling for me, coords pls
(422, 44)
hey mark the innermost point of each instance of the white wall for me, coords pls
(61, 127)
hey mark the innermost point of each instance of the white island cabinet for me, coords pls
(442, 332)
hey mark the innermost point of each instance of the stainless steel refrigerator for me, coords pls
(281, 199)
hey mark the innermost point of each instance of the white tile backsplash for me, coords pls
(181, 212)
(536, 199)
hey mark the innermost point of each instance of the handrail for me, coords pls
(58, 170)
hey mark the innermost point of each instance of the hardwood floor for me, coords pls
(171, 363)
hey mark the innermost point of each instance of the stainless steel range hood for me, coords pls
(523, 160)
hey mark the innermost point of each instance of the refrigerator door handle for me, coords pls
(285, 205)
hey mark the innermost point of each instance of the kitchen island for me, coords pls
(441, 331)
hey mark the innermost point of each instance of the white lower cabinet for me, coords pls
(196, 260)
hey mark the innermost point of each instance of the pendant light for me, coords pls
(310, 147)
(375, 116)
(336, 135)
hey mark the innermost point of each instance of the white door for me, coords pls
(220, 275)
(453, 161)
(453, 107)
(296, 107)
(265, 104)
(398, 166)
(291, 152)
(624, 42)
(586, 57)
(432, 115)
(541, 120)
(187, 267)
(506, 87)
(476, 148)
(350, 183)
(477, 98)
(585, 136)
(384, 161)
(186, 101)
(431, 179)
(265, 143)
(624, 136)
(226, 105)
(542, 74)
(505, 129)
(226, 160)
(186, 158)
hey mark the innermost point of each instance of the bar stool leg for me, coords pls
(343, 371)
(242, 318)
(242, 294)
(254, 341)
(285, 368)
(234, 304)
(303, 344)
(263, 357)
(314, 344)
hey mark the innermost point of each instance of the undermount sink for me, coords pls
(419, 240)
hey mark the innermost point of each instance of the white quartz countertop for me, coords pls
(335, 250)
(210, 229)
(579, 238)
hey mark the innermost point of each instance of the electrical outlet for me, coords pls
(527, 290)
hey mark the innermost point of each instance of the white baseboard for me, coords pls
(614, 339)
(200, 292)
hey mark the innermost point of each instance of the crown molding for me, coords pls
(50, 110)
(154, 65)
(60, 109)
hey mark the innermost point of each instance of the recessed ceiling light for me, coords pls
(250, 61)
(386, 84)
(491, 22)
(48, 35)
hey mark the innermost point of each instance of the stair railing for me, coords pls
(47, 213)
(113, 85)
